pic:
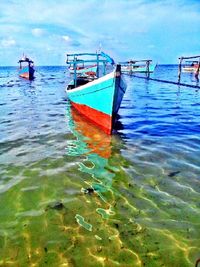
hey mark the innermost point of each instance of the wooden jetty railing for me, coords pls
(197, 71)
(131, 62)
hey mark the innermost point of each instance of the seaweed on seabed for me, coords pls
(172, 174)
(55, 206)
(88, 191)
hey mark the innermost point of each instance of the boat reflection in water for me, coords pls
(93, 143)
(96, 141)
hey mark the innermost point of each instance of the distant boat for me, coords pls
(190, 66)
(97, 98)
(26, 68)
(84, 70)
(145, 66)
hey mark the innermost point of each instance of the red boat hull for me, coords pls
(101, 119)
(27, 72)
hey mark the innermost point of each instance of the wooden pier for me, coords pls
(193, 67)
(142, 66)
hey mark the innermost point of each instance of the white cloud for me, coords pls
(8, 42)
(66, 38)
(125, 28)
(37, 32)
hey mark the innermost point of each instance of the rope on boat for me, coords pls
(170, 82)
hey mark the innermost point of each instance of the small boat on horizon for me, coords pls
(97, 98)
(143, 66)
(26, 68)
(190, 66)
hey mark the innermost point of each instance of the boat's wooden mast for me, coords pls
(104, 68)
(75, 75)
(97, 65)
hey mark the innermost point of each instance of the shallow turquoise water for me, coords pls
(72, 196)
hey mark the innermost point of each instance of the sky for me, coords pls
(46, 30)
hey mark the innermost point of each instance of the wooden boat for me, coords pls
(144, 66)
(98, 98)
(26, 68)
(190, 66)
(84, 70)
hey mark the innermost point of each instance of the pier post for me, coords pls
(197, 72)
(130, 68)
(179, 69)
(147, 68)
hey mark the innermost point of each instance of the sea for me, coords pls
(70, 195)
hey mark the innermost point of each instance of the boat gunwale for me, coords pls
(94, 82)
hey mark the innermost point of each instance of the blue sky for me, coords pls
(46, 30)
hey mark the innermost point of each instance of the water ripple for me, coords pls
(70, 192)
